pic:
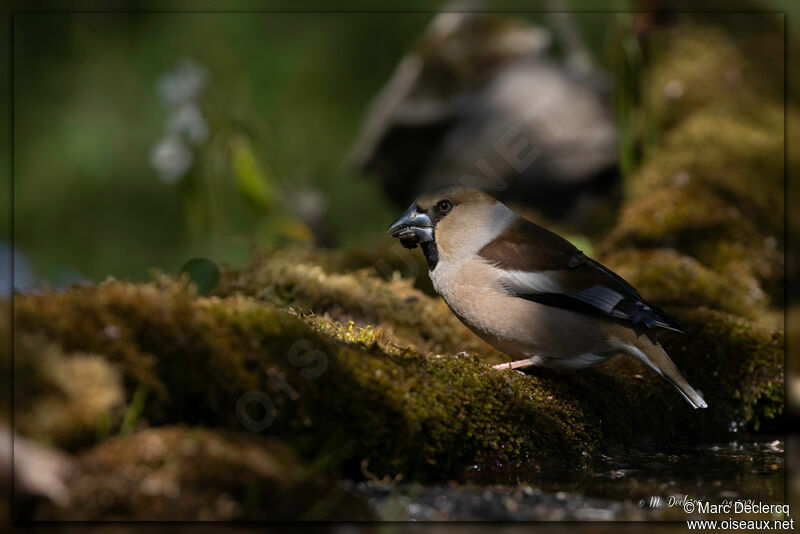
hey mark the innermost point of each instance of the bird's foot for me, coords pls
(517, 364)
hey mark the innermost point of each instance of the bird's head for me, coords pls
(450, 217)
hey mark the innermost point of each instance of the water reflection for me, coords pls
(638, 485)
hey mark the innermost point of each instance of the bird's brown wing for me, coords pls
(544, 267)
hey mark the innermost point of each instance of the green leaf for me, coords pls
(254, 183)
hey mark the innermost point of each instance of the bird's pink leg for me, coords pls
(518, 364)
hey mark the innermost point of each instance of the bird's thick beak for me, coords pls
(412, 227)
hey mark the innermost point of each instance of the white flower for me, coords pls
(182, 84)
(308, 204)
(189, 120)
(171, 159)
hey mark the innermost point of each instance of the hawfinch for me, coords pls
(529, 292)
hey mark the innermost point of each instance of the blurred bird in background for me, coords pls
(480, 101)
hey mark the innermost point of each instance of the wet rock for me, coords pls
(194, 474)
(39, 474)
(67, 399)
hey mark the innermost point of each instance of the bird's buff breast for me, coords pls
(515, 326)
(482, 306)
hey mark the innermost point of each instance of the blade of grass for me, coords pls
(134, 410)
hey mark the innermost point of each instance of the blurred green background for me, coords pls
(87, 115)
(284, 96)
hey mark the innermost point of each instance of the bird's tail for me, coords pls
(655, 357)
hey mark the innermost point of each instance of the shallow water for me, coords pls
(636, 486)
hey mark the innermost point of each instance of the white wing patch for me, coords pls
(528, 282)
(600, 297)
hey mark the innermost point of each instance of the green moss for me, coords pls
(713, 187)
(701, 230)
(738, 158)
(729, 357)
(292, 277)
(736, 364)
(704, 203)
(680, 217)
(668, 278)
(702, 65)
(404, 413)
(697, 222)
(203, 354)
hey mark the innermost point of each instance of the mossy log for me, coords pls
(403, 410)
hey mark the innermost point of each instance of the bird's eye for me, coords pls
(444, 206)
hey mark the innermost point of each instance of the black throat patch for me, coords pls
(431, 253)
